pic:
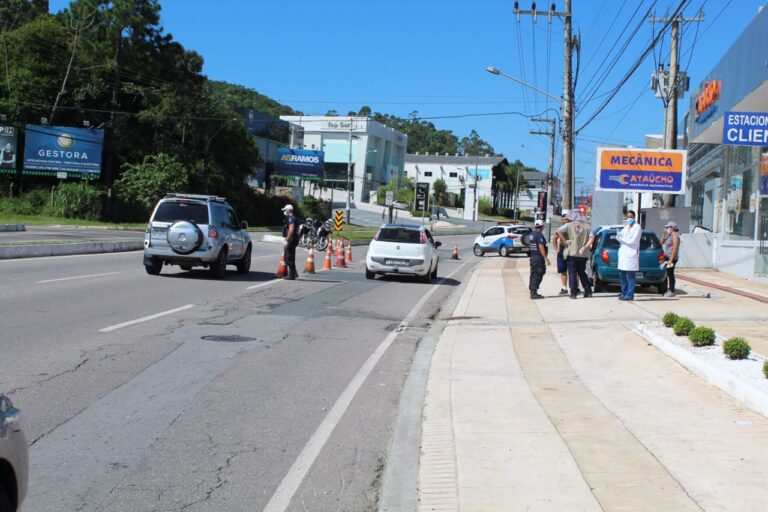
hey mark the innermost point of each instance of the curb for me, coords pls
(38, 251)
(12, 227)
(738, 389)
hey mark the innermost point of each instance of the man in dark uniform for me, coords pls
(539, 259)
(291, 240)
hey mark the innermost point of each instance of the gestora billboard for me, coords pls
(641, 170)
(63, 149)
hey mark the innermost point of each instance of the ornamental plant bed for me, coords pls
(747, 372)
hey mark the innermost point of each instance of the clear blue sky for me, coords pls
(400, 56)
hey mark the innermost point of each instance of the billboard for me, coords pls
(641, 170)
(303, 163)
(267, 127)
(8, 140)
(745, 129)
(62, 150)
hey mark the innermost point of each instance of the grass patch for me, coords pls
(41, 220)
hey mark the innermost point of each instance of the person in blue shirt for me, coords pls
(539, 259)
(290, 240)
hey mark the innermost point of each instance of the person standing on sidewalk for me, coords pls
(290, 240)
(575, 236)
(539, 259)
(562, 267)
(629, 255)
(670, 241)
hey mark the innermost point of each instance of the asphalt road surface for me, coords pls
(181, 392)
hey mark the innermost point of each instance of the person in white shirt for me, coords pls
(629, 255)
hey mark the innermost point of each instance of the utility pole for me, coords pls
(349, 171)
(567, 102)
(551, 173)
(671, 85)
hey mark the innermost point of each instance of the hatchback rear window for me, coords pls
(647, 241)
(404, 236)
(171, 211)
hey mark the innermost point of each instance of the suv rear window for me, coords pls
(647, 241)
(171, 211)
(404, 236)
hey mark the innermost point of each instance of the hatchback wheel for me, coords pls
(599, 283)
(434, 272)
(478, 250)
(662, 286)
(369, 274)
(219, 267)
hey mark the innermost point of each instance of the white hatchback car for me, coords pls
(402, 249)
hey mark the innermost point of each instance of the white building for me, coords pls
(458, 173)
(377, 152)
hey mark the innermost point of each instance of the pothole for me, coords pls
(229, 338)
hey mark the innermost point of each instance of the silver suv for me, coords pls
(14, 457)
(193, 231)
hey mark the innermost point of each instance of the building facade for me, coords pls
(728, 184)
(375, 151)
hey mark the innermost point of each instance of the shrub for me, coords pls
(736, 348)
(77, 201)
(683, 326)
(670, 319)
(702, 336)
(765, 369)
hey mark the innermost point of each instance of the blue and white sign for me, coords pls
(63, 149)
(745, 129)
(303, 163)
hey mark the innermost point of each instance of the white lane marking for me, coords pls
(292, 480)
(273, 281)
(145, 319)
(78, 277)
(65, 256)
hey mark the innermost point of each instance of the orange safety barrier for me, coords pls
(340, 254)
(348, 255)
(327, 264)
(282, 269)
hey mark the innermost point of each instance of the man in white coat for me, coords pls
(629, 255)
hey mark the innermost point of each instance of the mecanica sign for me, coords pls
(641, 170)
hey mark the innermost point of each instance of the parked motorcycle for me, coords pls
(314, 232)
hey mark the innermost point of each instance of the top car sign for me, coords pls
(641, 170)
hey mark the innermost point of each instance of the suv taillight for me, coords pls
(212, 233)
(423, 238)
(604, 256)
(512, 237)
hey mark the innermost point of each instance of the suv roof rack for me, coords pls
(199, 197)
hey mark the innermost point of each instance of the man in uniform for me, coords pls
(290, 240)
(575, 235)
(539, 259)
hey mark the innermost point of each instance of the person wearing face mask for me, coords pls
(629, 255)
(670, 242)
(290, 240)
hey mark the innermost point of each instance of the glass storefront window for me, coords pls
(740, 192)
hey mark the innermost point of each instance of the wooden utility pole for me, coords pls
(676, 85)
(567, 102)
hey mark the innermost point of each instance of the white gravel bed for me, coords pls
(743, 379)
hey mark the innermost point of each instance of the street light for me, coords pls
(495, 71)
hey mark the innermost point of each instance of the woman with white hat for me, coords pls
(670, 242)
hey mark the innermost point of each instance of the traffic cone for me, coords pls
(348, 255)
(282, 269)
(340, 254)
(327, 264)
(455, 255)
(309, 266)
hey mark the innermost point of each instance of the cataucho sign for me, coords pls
(641, 170)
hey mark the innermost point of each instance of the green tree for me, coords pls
(439, 188)
(150, 180)
(473, 145)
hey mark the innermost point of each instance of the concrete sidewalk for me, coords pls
(557, 405)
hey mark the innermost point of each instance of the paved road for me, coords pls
(130, 404)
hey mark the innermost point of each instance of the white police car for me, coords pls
(503, 239)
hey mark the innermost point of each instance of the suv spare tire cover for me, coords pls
(526, 239)
(184, 237)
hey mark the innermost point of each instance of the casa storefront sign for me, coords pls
(641, 170)
(745, 129)
(63, 150)
(302, 163)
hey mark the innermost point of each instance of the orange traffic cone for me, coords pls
(327, 264)
(282, 269)
(309, 266)
(348, 255)
(340, 254)
(455, 255)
